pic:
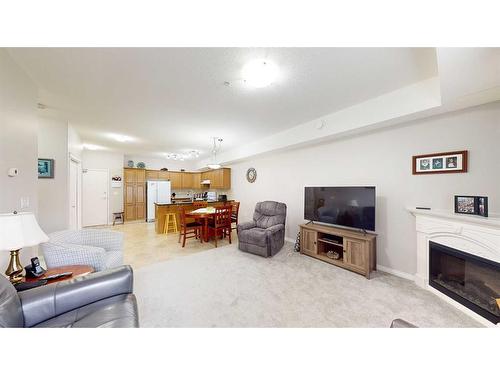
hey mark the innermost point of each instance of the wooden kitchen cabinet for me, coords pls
(197, 180)
(176, 180)
(141, 176)
(187, 180)
(219, 178)
(152, 175)
(130, 175)
(164, 175)
(134, 193)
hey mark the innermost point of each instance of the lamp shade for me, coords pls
(18, 230)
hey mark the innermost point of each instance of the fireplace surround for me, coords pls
(475, 238)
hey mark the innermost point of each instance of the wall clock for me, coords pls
(251, 175)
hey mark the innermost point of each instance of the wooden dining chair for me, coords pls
(235, 209)
(221, 225)
(199, 204)
(189, 229)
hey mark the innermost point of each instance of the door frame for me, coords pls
(73, 159)
(85, 170)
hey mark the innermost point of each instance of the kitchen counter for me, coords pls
(161, 209)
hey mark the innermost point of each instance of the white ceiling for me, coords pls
(174, 99)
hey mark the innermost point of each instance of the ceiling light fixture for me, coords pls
(121, 137)
(91, 147)
(182, 156)
(260, 73)
(215, 150)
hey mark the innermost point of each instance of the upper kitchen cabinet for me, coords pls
(187, 180)
(219, 178)
(176, 180)
(164, 175)
(197, 180)
(151, 175)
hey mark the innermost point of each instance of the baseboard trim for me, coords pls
(394, 272)
(291, 240)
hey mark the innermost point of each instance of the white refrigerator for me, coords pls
(156, 192)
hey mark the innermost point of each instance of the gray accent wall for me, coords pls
(383, 158)
(18, 143)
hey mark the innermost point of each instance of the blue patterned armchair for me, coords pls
(100, 249)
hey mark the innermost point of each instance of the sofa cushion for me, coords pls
(115, 312)
(256, 236)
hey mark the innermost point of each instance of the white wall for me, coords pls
(113, 161)
(383, 159)
(18, 143)
(53, 196)
(75, 145)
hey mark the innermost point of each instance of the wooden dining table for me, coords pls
(204, 214)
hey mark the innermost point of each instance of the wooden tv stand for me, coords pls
(357, 251)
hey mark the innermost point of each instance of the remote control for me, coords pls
(58, 276)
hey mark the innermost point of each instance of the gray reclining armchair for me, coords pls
(101, 299)
(265, 235)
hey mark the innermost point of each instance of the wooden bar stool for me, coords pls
(118, 216)
(170, 223)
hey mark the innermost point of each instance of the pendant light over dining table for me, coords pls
(216, 148)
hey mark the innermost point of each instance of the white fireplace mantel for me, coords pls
(475, 235)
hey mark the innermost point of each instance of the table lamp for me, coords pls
(18, 230)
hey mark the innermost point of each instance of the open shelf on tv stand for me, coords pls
(353, 250)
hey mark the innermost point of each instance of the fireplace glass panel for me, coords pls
(470, 280)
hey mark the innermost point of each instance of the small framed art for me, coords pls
(445, 162)
(472, 205)
(45, 168)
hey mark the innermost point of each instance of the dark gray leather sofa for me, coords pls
(101, 299)
(265, 234)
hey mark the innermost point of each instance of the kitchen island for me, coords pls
(161, 209)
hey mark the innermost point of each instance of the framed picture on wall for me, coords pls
(45, 168)
(472, 205)
(444, 162)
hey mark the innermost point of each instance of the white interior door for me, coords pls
(95, 197)
(74, 194)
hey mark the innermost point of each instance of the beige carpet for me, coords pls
(227, 288)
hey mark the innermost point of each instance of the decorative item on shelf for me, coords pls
(141, 165)
(18, 230)
(444, 162)
(472, 205)
(45, 168)
(251, 175)
(296, 247)
(183, 170)
(164, 169)
(333, 255)
(130, 164)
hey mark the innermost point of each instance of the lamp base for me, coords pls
(14, 270)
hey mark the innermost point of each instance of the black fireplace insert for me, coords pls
(468, 279)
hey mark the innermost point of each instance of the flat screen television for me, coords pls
(348, 206)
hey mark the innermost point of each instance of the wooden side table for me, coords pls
(77, 270)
